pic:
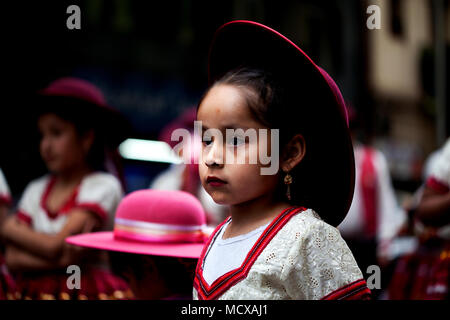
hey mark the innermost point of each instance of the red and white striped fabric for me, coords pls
(5, 194)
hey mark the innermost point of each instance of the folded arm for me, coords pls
(434, 208)
(47, 246)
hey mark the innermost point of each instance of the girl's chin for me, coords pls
(221, 201)
(52, 168)
(219, 198)
(225, 200)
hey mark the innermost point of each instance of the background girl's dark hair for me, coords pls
(277, 104)
(178, 273)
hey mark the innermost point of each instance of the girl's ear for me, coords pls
(293, 153)
(88, 140)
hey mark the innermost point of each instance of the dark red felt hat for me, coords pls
(83, 97)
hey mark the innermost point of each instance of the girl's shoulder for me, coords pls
(306, 226)
(38, 185)
(101, 181)
(100, 187)
(305, 220)
(31, 197)
(100, 193)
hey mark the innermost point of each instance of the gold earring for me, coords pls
(288, 182)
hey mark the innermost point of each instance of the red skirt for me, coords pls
(423, 275)
(8, 288)
(95, 284)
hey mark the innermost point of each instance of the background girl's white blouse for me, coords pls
(98, 192)
(5, 194)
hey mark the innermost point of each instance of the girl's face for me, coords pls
(61, 147)
(224, 107)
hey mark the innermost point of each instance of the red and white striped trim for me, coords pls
(71, 203)
(25, 217)
(158, 232)
(5, 199)
(68, 205)
(437, 185)
(92, 207)
(356, 290)
(226, 281)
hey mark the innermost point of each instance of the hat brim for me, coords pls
(249, 44)
(105, 241)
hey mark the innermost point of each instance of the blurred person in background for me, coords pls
(423, 273)
(185, 176)
(157, 239)
(76, 196)
(7, 284)
(374, 217)
(5, 197)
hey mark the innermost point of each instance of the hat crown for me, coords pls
(162, 206)
(75, 88)
(160, 216)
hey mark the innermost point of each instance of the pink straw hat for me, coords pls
(153, 222)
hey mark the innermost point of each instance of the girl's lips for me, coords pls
(214, 181)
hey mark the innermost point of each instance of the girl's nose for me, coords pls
(45, 144)
(214, 156)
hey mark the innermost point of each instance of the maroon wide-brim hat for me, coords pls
(249, 44)
(81, 97)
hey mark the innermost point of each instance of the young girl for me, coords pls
(75, 197)
(280, 241)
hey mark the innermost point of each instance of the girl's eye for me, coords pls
(206, 142)
(236, 141)
(56, 132)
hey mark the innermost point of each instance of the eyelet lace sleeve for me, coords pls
(320, 265)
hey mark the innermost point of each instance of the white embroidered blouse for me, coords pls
(298, 256)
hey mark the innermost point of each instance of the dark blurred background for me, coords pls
(149, 58)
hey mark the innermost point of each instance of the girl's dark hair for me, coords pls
(271, 102)
(177, 273)
(80, 114)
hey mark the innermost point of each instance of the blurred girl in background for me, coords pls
(76, 196)
(7, 284)
(423, 274)
(184, 176)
